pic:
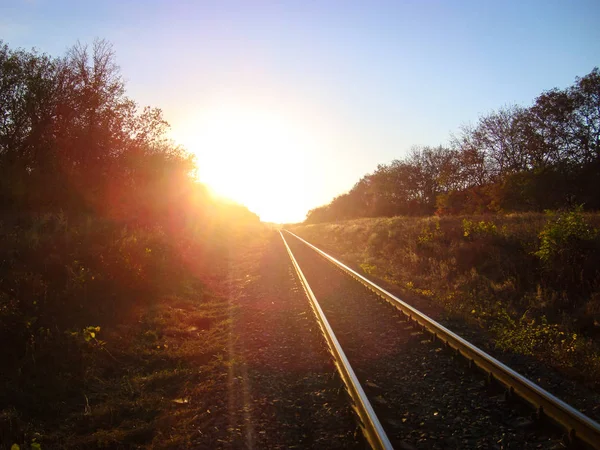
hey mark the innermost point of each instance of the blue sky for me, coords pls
(361, 81)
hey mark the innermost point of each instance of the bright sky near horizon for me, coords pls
(287, 104)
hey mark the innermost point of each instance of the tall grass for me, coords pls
(531, 280)
(92, 314)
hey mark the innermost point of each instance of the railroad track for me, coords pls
(402, 372)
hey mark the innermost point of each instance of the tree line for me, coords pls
(72, 141)
(546, 156)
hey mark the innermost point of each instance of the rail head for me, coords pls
(370, 424)
(578, 426)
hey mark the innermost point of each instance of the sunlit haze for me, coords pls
(288, 104)
(253, 156)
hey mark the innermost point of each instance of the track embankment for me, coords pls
(424, 395)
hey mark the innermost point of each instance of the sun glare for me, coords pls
(254, 157)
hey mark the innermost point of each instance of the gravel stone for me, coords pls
(283, 391)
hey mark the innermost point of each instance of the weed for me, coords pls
(569, 255)
(369, 269)
(472, 229)
(430, 234)
(565, 239)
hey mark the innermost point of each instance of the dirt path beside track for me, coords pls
(282, 387)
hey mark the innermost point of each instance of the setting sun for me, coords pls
(252, 156)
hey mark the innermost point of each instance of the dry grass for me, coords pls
(143, 385)
(148, 372)
(484, 270)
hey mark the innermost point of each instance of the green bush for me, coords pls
(565, 238)
(472, 229)
(430, 233)
(568, 251)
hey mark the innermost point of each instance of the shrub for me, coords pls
(472, 229)
(568, 251)
(565, 238)
(429, 233)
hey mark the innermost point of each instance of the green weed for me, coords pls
(430, 234)
(566, 238)
(473, 229)
(369, 269)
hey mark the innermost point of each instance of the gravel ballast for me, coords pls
(283, 392)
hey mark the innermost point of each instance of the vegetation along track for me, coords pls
(409, 367)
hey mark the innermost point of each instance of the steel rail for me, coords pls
(579, 427)
(368, 421)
